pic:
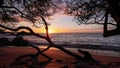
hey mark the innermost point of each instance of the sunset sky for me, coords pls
(60, 23)
(65, 23)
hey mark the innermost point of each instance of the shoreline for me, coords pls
(60, 59)
(93, 51)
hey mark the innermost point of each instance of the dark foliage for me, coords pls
(4, 41)
(84, 10)
(19, 41)
(96, 12)
(14, 11)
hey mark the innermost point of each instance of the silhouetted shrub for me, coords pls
(19, 41)
(4, 42)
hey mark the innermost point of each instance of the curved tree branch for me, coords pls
(51, 44)
(17, 29)
(31, 18)
(34, 55)
(59, 47)
(14, 8)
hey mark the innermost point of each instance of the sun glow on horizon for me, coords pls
(50, 30)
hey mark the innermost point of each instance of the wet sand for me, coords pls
(60, 59)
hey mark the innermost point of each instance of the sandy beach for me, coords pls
(59, 59)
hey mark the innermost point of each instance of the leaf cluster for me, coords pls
(84, 10)
(13, 11)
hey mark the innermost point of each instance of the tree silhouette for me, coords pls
(32, 11)
(35, 11)
(97, 10)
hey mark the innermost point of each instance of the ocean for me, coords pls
(94, 42)
(73, 39)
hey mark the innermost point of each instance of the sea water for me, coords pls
(78, 39)
(73, 39)
(94, 42)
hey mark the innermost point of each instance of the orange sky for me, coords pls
(65, 24)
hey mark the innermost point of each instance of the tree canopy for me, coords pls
(84, 11)
(13, 11)
(35, 11)
(99, 11)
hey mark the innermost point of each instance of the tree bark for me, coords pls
(114, 10)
